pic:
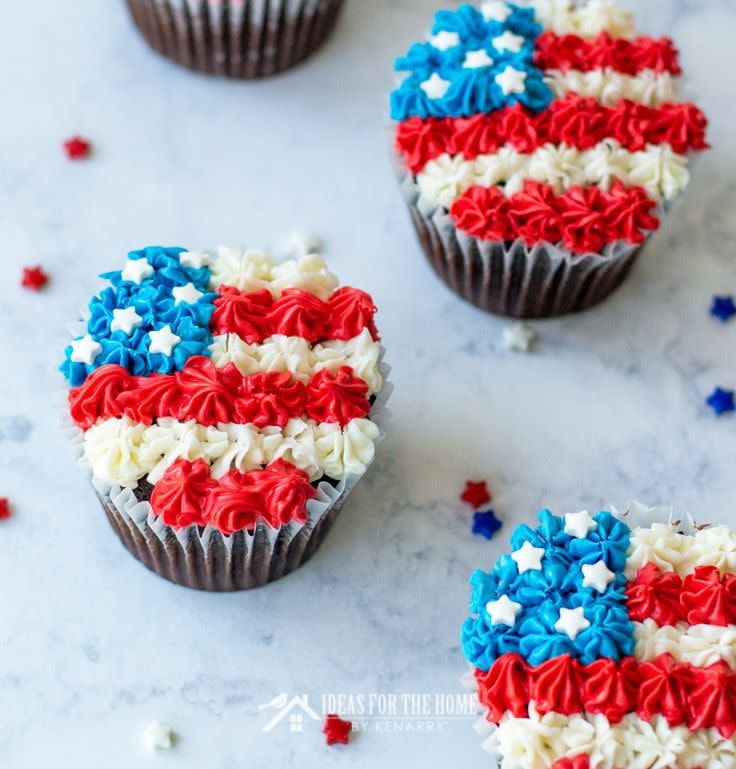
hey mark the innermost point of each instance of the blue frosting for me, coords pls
(471, 90)
(153, 301)
(542, 593)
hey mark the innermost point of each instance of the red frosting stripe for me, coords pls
(566, 52)
(255, 315)
(699, 698)
(704, 597)
(573, 120)
(578, 762)
(210, 395)
(187, 494)
(584, 219)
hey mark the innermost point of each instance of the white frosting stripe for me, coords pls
(121, 452)
(698, 645)
(587, 19)
(657, 169)
(296, 355)
(539, 741)
(609, 87)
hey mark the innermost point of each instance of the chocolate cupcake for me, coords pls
(224, 406)
(538, 149)
(607, 641)
(236, 38)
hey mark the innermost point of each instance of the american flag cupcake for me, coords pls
(224, 406)
(538, 148)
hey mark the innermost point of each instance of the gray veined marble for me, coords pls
(92, 647)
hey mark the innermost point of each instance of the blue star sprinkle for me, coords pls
(721, 401)
(486, 524)
(723, 308)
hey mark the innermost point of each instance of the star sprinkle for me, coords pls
(486, 524)
(495, 10)
(304, 243)
(477, 59)
(518, 338)
(503, 611)
(528, 558)
(77, 148)
(336, 730)
(444, 40)
(723, 308)
(158, 736)
(508, 41)
(4, 508)
(436, 87)
(163, 341)
(476, 493)
(194, 259)
(571, 622)
(34, 278)
(85, 350)
(721, 401)
(579, 524)
(125, 320)
(597, 576)
(511, 81)
(188, 294)
(136, 270)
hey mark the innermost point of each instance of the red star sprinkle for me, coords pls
(77, 148)
(34, 278)
(4, 508)
(476, 494)
(336, 730)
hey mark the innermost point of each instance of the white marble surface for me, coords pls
(93, 647)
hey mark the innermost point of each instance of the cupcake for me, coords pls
(605, 641)
(236, 38)
(224, 406)
(538, 149)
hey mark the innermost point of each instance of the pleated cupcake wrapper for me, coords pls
(513, 279)
(236, 38)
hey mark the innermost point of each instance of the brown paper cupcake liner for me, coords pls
(248, 39)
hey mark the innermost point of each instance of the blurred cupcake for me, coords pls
(607, 641)
(236, 38)
(538, 149)
(225, 406)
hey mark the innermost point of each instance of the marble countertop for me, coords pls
(610, 406)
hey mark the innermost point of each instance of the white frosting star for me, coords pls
(571, 622)
(477, 59)
(579, 524)
(194, 259)
(163, 341)
(188, 294)
(444, 40)
(511, 81)
(518, 337)
(137, 270)
(125, 320)
(158, 736)
(597, 575)
(508, 41)
(503, 611)
(528, 558)
(436, 87)
(495, 10)
(85, 350)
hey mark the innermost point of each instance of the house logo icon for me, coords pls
(295, 708)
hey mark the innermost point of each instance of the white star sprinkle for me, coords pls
(503, 611)
(125, 320)
(528, 558)
(495, 10)
(158, 736)
(85, 350)
(436, 87)
(477, 59)
(511, 81)
(137, 270)
(163, 341)
(303, 243)
(598, 576)
(194, 259)
(188, 294)
(508, 41)
(579, 524)
(571, 622)
(444, 40)
(518, 338)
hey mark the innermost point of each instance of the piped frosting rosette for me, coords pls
(538, 148)
(224, 406)
(607, 642)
